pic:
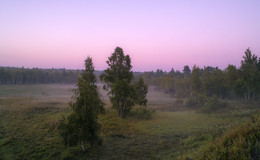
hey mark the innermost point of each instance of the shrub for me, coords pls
(213, 104)
(191, 102)
(142, 113)
(196, 101)
(240, 143)
(179, 101)
(201, 99)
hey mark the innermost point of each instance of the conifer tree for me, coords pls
(82, 125)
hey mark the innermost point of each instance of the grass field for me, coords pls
(29, 116)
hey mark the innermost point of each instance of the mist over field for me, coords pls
(187, 114)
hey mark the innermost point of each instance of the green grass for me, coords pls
(27, 133)
(29, 116)
(240, 142)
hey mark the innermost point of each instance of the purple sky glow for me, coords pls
(156, 33)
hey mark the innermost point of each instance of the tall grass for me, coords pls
(29, 120)
(241, 143)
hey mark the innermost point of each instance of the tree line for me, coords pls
(233, 82)
(16, 75)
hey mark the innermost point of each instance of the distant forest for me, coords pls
(196, 83)
(15, 75)
(232, 82)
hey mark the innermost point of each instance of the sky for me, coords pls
(161, 34)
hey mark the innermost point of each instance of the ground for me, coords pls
(29, 116)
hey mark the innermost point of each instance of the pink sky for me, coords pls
(156, 34)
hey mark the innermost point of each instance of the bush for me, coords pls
(196, 101)
(240, 143)
(179, 101)
(142, 113)
(213, 105)
(191, 102)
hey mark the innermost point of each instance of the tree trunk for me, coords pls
(252, 96)
(82, 146)
(118, 108)
(123, 112)
(123, 109)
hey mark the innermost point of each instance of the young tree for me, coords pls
(182, 87)
(231, 75)
(82, 124)
(159, 73)
(171, 73)
(118, 78)
(186, 70)
(195, 81)
(167, 83)
(141, 90)
(250, 73)
(231, 78)
(207, 82)
(239, 88)
(218, 83)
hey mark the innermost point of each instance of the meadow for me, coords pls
(30, 114)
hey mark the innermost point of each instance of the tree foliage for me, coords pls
(186, 70)
(82, 124)
(118, 78)
(250, 74)
(195, 80)
(14, 75)
(141, 90)
(234, 82)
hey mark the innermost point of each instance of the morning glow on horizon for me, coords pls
(156, 34)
